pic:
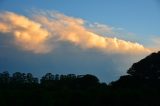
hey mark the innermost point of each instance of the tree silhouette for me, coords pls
(30, 79)
(139, 88)
(48, 77)
(4, 77)
(148, 67)
(20, 89)
(18, 78)
(87, 81)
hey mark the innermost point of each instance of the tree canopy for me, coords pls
(139, 88)
(148, 67)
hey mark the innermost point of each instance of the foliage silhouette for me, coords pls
(139, 88)
(148, 67)
(145, 73)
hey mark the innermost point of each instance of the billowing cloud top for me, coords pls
(41, 33)
(26, 33)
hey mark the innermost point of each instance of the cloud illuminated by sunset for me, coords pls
(42, 32)
(28, 35)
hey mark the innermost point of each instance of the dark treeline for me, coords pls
(49, 81)
(141, 87)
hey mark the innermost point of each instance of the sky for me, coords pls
(99, 37)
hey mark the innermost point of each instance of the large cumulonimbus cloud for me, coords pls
(46, 29)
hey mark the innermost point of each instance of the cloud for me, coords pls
(80, 49)
(73, 30)
(27, 34)
(67, 59)
(47, 29)
(101, 28)
(110, 31)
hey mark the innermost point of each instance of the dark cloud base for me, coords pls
(65, 60)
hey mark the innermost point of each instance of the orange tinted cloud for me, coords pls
(34, 35)
(73, 30)
(27, 34)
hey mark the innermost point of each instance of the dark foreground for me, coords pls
(141, 87)
(74, 90)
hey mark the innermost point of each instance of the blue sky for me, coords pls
(129, 20)
(137, 16)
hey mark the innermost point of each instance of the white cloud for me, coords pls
(101, 28)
